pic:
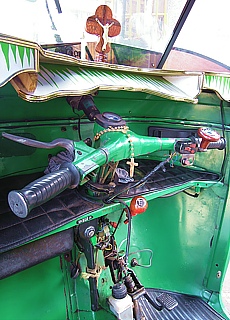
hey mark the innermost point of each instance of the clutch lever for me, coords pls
(60, 142)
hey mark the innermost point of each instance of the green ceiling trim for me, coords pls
(15, 59)
(5, 50)
(218, 83)
(56, 80)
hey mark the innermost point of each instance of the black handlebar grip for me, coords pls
(43, 189)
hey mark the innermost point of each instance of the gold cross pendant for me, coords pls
(132, 164)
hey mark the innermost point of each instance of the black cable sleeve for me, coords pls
(140, 182)
(129, 228)
(223, 133)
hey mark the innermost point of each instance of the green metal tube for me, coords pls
(116, 146)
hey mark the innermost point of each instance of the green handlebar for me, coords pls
(112, 145)
(117, 145)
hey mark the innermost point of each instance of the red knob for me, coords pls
(208, 135)
(137, 205)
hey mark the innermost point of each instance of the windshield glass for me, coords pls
(145, 24)
(146, 27)
(203, 41)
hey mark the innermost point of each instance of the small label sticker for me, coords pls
(84, 220)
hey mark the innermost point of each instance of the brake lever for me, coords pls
(60, 142)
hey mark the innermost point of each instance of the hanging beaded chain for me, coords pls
(131, 163)
(124, 130)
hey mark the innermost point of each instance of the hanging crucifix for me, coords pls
(104, 26)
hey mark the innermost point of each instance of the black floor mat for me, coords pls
(189, 308)
(164, 179)
(15, 231)
(69, 205)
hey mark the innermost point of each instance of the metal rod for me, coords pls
(184, 14)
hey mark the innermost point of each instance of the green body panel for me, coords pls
(21, 300)
(182, 240)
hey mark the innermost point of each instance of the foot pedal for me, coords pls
(167, 301)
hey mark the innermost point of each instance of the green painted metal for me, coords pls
(117, 146)
(178, 229)
(168, 224)
(22, 289)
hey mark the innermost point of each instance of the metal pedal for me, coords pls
(167, 301)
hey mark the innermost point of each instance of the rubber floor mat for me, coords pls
(70, 205)
(189, 308)
(164, 179)
(66, 207)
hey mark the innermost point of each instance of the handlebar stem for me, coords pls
(116, 146)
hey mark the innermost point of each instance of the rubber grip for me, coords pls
(42, 190)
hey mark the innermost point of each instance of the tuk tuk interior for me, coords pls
(114, 160)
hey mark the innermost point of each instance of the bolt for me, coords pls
(134, 262)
